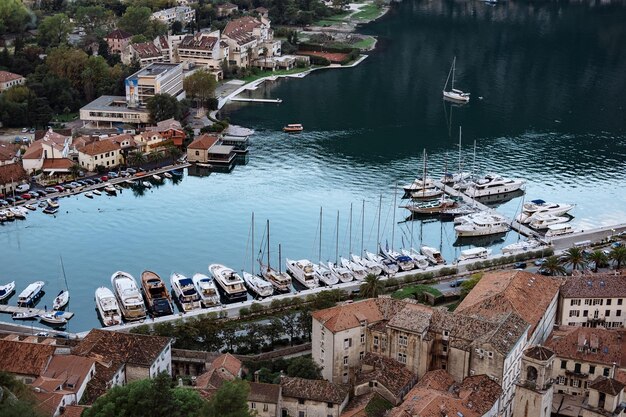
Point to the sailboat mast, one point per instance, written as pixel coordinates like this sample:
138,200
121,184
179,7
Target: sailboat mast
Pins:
424,176
252,246
268,244
393,225
362,226
63,269
380,203
350,239
453,70
337,242
320,247
460,128
279,260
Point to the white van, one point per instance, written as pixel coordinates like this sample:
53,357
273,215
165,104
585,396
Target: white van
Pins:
22,188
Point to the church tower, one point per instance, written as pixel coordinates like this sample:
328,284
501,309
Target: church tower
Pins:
533,394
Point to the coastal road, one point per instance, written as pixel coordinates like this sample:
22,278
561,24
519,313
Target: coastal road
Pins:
599,235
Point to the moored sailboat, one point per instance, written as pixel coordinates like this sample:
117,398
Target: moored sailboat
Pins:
454,95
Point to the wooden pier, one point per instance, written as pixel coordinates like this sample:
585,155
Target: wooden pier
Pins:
257,100
15,309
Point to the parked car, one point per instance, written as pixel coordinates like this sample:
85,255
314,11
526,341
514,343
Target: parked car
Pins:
10,200
89,182
74,184
24,130
32,130
544,271
131,171
97,180
22,188
104,178
112,174
458,282
18,198
51,190
59,188
4,203
616,244
26,196
34,194
67,187
519,265
42,193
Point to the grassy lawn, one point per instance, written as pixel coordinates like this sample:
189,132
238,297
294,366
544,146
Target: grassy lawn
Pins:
65,117
367,12
415,290
277,72
364,43
332,20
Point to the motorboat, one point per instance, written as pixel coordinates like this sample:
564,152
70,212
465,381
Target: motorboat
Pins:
456,178
42,204
293,128
6,290
25,315
207,290
542,221
146,184
55,318
155,293
110,189
559,230
325,275
419,260
89,194
343,274
61,300
404,262
185,292
426,194
539,207
96,192
30,294
419,184
228,280
372,267
523,246
167,175
19,212
388,266
474,253
433,255
30,207
358,271
431,207
483,225
492,184
302,271
52,203
128,296
469,218
7,215
157,178
257,285
107,307
50,210
455,95
118,187
177,172
280,280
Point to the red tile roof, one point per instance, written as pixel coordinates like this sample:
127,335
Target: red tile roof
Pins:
229,363
8,151
316,390
73,410
240,30
48,402
594,286
100,147
199,41
540,353
588,344
264,393
24,358
389,373
13,172
607,385
118,34
6,76
203,142
57,136
57,164
146,50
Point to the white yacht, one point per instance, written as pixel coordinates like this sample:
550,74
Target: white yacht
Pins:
344,274
358,271
61,300
426,194
325,275
484,225
110,189
207,290
280,280
389,267
404,262
433,255
229,281
538,207
419,184
372,267
474,253
522,246
492,184
7,290
185,292
542,221
107,307
559,230
302,271
456,178
419,260
257,285
128,296
30,294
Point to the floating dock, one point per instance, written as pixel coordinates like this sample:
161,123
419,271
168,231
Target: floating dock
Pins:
257,100
15,309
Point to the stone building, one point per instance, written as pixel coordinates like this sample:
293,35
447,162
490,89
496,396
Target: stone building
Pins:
533,396
312,398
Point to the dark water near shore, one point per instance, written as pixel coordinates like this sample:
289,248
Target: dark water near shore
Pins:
547,83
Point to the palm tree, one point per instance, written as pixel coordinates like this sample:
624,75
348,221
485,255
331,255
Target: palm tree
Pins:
372,286
136,158
598,258
173,152
552,266
155,156
75,170
618,254
575,257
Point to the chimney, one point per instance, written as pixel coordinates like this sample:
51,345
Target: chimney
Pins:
256,375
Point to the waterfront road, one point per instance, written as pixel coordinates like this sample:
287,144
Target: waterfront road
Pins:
595,236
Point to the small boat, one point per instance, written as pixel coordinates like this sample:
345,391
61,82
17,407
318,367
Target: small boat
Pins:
404,262
25,315
55,318
185,292
96,192
559,230
433,255
146,184
426,194
419,184
257,285
280,280
207,290
155,292
492,184
432,207
42,204
522,246
389,267
325,275
18,212
542,221
61,300
157,178
373,268
8,215
474,253
110,189
228,280
293,128
419,260
167,175
50,210
358,271
454,94
482,225
344,274
128,296
117,187
302,271
30,294
541,206
107,307
89,194
177,172
52,203
30,207
7,290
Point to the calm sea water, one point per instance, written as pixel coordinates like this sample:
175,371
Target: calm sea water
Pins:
547,84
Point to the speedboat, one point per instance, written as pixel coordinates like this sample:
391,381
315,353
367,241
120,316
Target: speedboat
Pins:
372,267
146,184
358,271
155,292
228,280
107,307
42,204
167,175
257,285
293,128
325,275
433,255
97,192
18,212
185,292
388,266
343,274
110,189
52,203
541,206
542,221
61,300
30,294
50,210
89,194
55,318
156,177
302,271
482,225
522,246
474,253
25,315
128,296
280,280
419,260
177,172
30,207
7,290
492,184
207,290
404,262
559,230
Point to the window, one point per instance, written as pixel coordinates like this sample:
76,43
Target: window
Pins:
300,401
446,333
445,348
362,338
490,354
618,313
361,354
375,340
347,343
585,313
561,380
575,383
597,302
574,302
619,301
587,302
322,334
607,313
403,340
577,367
402,357
329,405
574,313
563,364
197,153
321,353
345,360
301,414
608,302
253,406
592,369
606,372
265,407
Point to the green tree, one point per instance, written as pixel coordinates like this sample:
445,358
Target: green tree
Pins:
552,266
163,107
137,21
598,258
575,257
16,399
177,28
95,20
68,63
289,321
173,152
75,170
304,367
200,86
618,255
230,400
372,286
229,336
155,156
14,16
468,286
54,30
136,158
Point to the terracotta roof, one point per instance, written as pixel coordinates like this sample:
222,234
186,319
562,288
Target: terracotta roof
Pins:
48,402
7,151
70,370
594,286
438,379
57,136
73,410
199,41
511,290
122,138
540,353
229,363
146,50
100,147
316,390
264,393
413,317
203,142
212,379
348,316
163,42
101,382
588,344
608,386
169,124
23,357
57,164
118,34
240,30
6,76
389,373
13,172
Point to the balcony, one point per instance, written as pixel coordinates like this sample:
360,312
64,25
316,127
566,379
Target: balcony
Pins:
576,374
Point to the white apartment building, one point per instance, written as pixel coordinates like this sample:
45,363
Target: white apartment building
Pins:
183,14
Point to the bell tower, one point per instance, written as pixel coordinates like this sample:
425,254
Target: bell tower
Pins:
533,393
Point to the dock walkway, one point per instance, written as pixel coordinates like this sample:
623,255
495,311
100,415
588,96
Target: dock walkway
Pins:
15,309
257,100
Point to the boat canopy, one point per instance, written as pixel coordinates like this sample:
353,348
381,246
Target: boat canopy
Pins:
538,202
404,259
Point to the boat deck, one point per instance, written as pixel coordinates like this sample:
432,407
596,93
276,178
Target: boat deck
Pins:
15,309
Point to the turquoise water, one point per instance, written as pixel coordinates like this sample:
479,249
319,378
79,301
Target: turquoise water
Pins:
551,78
